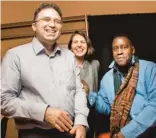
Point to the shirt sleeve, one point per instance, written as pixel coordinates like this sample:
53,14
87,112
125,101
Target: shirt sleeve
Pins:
11,105
81,109
147,117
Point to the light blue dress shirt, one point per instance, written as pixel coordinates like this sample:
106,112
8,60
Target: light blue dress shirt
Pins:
143,110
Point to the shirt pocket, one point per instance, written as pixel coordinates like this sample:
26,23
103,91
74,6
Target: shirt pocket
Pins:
67,79
138,105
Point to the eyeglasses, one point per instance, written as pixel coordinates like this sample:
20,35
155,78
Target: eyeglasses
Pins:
48,20
122,47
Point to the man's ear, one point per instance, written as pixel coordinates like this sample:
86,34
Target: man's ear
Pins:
34,27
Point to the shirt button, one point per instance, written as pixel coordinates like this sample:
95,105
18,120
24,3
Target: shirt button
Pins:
91,101
133,116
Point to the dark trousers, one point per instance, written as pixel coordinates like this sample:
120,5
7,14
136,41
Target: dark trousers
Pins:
91,122
4,122
41,133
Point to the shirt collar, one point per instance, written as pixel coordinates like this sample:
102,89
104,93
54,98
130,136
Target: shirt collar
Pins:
56,50
38,47
112,65
85,64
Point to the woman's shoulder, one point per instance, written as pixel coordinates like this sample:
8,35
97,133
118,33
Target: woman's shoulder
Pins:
95,63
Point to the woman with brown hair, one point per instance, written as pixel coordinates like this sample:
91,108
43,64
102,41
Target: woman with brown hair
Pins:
81,46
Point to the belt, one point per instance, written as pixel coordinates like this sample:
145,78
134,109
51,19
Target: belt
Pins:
44,132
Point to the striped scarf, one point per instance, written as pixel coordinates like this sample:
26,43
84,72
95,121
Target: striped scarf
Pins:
120,114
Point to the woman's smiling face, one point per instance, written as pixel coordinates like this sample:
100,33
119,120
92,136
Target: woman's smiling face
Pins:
79,46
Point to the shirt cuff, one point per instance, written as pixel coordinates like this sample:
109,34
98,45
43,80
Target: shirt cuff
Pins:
92,98
81,120
131,130
38,111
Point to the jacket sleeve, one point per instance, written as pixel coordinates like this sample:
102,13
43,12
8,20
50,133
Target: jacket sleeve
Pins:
147,117
100,100
11,105
102,104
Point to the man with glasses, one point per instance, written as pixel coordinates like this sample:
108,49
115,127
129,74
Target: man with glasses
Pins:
128,93
41,87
